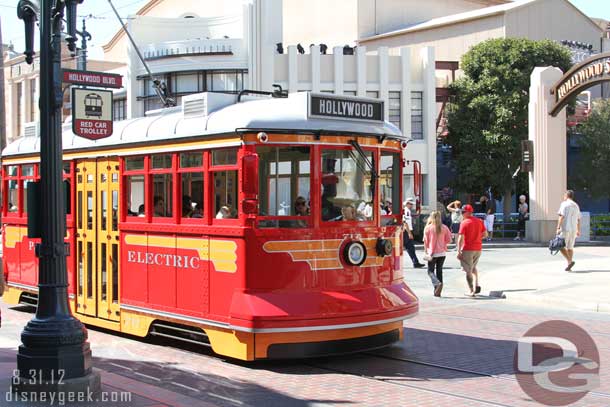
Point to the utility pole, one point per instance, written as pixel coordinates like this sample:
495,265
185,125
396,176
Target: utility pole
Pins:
54,343
81,63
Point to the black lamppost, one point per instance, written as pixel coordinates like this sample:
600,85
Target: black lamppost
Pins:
55,355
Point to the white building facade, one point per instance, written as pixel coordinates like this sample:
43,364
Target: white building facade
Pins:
197,46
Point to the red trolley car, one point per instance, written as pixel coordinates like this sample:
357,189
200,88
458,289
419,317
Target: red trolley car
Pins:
253,226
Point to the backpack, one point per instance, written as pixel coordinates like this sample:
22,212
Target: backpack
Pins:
556,243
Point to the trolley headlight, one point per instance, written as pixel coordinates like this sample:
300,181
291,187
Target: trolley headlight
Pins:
384,247
354,253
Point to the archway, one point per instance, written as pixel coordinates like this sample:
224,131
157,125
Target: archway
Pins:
550,92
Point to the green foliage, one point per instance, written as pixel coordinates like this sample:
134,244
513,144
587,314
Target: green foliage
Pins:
593,165
487,118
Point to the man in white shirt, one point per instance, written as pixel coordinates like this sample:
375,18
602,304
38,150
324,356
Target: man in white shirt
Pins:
568,226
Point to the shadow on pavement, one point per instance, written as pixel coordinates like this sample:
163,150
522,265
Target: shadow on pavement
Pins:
588,271
422,355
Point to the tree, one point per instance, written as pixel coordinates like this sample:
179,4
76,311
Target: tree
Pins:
594,152
487,119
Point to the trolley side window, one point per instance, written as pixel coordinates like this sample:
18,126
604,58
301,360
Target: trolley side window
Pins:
284,185
224,183
134,181
12,176
389,186
162,185
27,173
347,187
192,184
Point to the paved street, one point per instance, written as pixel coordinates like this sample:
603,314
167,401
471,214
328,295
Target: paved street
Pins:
457,352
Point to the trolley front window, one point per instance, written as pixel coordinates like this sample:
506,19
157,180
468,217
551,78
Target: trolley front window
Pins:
347,186
284,182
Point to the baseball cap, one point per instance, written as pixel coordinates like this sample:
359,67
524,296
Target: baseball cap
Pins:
410,201
467,208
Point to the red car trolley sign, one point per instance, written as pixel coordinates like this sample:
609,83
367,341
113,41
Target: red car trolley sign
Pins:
92,113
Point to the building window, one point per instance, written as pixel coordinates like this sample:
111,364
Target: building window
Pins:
417,116
33,100
372,94
394,108
185,83
120,109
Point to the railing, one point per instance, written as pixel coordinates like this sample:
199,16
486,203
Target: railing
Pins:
502,229
600,226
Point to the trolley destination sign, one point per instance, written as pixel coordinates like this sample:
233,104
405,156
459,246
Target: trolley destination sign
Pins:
92,113
90,78
321,106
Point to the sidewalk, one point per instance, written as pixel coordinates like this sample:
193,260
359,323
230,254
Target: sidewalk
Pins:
526,273
117,389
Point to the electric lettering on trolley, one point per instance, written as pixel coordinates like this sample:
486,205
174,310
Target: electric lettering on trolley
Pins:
160,259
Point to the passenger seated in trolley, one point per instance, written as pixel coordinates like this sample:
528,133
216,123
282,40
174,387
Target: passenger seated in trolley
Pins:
224,213
300,207
197,212
141,211
187,206
159,207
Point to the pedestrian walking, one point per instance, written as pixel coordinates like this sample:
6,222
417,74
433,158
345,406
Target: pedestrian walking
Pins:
455,208
407,224
436,238
469,245
490,214
522,217
568,226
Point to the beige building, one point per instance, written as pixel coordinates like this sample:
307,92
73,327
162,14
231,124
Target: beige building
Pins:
453,34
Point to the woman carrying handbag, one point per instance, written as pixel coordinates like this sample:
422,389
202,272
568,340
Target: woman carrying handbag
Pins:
436,238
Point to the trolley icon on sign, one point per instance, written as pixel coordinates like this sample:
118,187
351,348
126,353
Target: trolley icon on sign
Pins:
93,105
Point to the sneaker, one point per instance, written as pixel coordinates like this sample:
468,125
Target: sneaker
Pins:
569,268
418,266
517,238
438,289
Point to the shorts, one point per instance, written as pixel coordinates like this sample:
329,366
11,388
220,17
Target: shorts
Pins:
489,222
455,228
469,260
570,238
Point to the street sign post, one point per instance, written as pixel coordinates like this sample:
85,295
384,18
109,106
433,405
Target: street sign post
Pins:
92,113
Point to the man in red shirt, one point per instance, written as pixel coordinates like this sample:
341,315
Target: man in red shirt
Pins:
469,245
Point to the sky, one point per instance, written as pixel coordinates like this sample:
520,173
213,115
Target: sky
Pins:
103,24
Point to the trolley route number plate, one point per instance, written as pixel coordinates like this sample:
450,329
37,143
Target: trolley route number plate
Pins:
92,113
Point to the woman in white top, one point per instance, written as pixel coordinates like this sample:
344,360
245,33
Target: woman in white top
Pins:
455,208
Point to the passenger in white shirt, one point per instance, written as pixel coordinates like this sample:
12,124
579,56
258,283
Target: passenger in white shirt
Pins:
568,226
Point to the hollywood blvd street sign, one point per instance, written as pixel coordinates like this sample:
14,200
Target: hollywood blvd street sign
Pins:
92,113
90,78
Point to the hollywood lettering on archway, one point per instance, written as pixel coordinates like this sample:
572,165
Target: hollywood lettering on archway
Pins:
581,77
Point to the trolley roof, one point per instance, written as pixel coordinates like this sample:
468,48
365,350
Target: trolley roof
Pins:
271,114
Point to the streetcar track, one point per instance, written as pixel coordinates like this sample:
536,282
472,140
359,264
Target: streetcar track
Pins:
461,370
412,386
